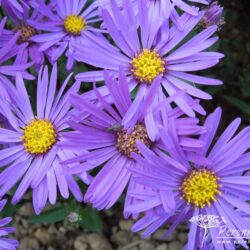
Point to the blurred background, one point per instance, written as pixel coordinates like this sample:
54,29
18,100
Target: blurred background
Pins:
72,226
234,70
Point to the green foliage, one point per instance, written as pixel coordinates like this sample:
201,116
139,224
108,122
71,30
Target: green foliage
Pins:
244,81
10,210
90,220
50,216
238,103
85,217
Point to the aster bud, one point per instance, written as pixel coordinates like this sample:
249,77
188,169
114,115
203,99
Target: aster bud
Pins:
213,15
73,217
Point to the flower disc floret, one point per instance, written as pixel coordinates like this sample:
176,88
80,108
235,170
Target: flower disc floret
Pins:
147,65
126,142
200,188
26,33
74,24
39,136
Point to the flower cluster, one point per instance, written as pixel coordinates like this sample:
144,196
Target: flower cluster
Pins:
137,131
5,243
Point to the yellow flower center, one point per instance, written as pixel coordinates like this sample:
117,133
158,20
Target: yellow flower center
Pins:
126,142
200,188
39,136
147,65
74,24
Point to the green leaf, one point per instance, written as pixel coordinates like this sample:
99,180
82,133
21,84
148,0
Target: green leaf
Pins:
51,216
90,220
244,80
133,93
10,210
238,103
214,90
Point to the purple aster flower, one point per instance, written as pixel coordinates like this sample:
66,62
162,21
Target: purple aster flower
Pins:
162,8
26,32
146,48
66,24
109,133
213,15
33,153
167,7
180,190
5,243
8,50
12,6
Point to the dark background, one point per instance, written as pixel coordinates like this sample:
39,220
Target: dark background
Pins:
234,70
